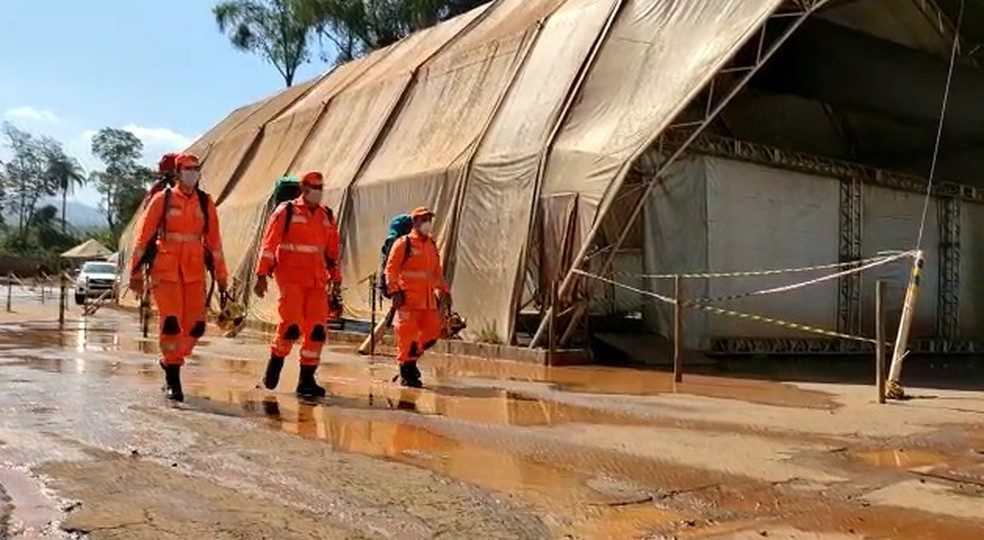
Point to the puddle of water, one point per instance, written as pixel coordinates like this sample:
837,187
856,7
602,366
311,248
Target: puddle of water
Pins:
117,332
901,458
33,514
548,485
630,381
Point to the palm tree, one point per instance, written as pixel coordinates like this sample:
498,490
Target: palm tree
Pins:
67,174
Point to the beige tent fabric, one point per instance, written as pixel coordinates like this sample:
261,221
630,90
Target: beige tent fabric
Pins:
355,103
902,22
278,145
203,145
424,156
356,117
90,249
469,117
224,159
496,210
656,58
244,212
242,208
220,168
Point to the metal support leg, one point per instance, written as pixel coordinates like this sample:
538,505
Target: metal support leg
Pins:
849,287
880,339
948,312
732,79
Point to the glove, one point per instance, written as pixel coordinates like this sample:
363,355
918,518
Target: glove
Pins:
335,301
260,288
137,283
399,299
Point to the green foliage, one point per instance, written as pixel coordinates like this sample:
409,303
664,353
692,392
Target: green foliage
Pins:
356,27
43,237
62,171
487,333
109,237
270,28
25,181
124,179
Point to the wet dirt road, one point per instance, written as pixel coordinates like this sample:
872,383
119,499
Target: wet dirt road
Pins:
89,447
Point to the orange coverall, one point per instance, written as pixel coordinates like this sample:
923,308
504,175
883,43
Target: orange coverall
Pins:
417,323
303,261
178,270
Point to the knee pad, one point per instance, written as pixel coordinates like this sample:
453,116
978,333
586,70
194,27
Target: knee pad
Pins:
318,333
292,333
430,344
171,326
198,330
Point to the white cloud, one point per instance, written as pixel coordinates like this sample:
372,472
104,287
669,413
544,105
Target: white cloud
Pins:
159,138
30,114
157,142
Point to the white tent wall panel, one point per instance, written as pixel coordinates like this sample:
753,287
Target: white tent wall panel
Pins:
609,299
971,291
760,218
657,56
496,210
675,240
424,156
891,223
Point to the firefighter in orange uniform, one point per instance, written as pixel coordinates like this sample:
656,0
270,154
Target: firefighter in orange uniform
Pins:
179,239
416,283
301,249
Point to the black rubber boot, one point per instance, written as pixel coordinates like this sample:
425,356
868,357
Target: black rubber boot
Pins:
272,377
410,375
172,382
307,386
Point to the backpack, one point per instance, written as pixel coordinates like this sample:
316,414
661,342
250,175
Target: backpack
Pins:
289,188
151,251
399,226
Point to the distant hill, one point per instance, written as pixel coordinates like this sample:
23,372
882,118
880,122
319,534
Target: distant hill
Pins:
80,216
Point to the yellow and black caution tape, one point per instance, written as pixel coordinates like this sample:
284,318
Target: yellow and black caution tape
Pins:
772,272
730,312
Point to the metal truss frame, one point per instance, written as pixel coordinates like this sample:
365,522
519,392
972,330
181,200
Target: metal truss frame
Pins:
948,308
849,239
761,154
716,95
948,29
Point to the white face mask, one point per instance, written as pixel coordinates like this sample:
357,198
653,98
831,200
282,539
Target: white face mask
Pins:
313,197
426,228
189,178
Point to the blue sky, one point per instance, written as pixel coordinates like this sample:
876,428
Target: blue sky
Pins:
160,69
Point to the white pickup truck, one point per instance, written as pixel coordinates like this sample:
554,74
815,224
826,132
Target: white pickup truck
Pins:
94,279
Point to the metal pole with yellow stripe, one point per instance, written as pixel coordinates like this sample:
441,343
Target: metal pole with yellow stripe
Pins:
895,390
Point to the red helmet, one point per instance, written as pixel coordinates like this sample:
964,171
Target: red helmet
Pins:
186,161
167,164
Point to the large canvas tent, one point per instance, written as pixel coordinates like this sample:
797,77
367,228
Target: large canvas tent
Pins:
636,136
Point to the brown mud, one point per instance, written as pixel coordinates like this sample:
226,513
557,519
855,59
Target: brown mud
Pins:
488,449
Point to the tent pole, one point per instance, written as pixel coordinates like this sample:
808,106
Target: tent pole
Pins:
572,93
711,112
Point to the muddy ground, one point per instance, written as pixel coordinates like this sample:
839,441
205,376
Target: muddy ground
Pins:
89,447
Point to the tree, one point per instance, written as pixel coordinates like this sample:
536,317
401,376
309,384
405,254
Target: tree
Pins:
119,150
49,236
270,28
3,193
26,182
63,171
356,27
